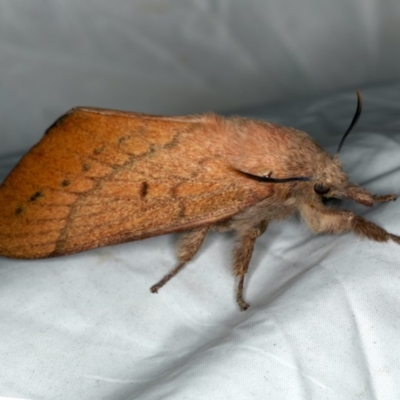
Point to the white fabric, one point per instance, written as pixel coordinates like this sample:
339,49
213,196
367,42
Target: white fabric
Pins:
324,318
184,56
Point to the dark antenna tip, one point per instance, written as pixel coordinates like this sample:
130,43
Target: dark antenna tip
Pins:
353,122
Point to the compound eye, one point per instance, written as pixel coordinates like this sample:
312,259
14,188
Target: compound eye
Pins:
321,189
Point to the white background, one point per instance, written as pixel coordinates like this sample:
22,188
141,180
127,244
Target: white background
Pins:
324,321
184,56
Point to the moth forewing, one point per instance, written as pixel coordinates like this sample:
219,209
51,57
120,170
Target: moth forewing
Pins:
102,177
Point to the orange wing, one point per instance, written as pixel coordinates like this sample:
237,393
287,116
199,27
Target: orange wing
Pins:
101,177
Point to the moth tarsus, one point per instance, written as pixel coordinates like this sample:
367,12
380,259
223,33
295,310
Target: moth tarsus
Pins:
239,295
101,177
155,288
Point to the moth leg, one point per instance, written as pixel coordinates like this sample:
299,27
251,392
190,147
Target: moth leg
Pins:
321,219
188,245
385,198
242,255
362,196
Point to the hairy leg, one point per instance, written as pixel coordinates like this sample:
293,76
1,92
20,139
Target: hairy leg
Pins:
321,219
188,245
362,196
242,255
384,198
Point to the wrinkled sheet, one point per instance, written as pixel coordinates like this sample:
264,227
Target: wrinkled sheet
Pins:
324,321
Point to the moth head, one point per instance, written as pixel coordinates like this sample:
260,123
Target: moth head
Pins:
330,180
339,189
344,190
333,182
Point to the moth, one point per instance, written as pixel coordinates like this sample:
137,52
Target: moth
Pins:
100,177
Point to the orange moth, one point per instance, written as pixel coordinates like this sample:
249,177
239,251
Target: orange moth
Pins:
100,177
